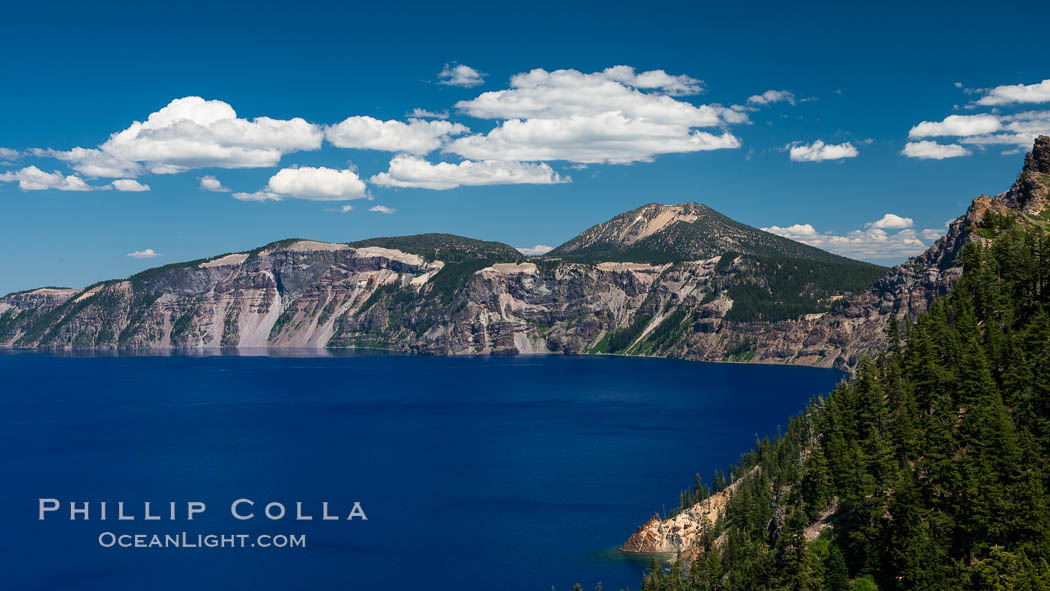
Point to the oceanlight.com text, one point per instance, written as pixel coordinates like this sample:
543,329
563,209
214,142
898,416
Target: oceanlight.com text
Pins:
184,540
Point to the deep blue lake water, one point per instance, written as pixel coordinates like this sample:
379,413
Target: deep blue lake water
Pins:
513,473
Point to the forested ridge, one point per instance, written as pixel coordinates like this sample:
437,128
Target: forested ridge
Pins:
930,470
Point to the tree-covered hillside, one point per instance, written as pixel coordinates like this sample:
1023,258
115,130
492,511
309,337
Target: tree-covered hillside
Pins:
773,288
931,470
445,247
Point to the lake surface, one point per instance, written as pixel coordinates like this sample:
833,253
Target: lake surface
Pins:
513,473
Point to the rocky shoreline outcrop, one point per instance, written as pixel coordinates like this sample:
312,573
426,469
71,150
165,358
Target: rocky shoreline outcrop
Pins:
681,532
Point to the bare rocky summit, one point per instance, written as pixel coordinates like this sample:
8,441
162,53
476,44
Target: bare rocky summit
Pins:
656,233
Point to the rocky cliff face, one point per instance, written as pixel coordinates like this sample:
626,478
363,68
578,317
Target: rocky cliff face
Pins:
284,295
316,295
309,294
438,294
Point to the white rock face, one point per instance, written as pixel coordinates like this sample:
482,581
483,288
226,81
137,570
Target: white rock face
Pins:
228,260
620,267
511,268
389,253
313,245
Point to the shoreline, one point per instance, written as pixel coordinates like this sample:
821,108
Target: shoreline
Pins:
322,352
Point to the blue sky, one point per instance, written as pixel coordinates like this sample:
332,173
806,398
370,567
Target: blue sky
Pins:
564,116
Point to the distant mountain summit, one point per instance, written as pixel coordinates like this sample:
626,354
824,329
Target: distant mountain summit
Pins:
656,233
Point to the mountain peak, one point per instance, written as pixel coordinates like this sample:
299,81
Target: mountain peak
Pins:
658,233
1030,193
1038,160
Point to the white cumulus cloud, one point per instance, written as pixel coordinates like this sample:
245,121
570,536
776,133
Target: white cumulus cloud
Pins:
412,172
8,154
1017,129
563,93
144,254
192,132
318,184
32,178
310,183
415,137
929,150
819,151
604,138
957,125
130,185
531,251
886,238
454,74
210,183
613,116
794,232
382,209
1017,93
891,221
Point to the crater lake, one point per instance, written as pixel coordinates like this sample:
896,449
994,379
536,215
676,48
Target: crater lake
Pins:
516,473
